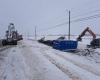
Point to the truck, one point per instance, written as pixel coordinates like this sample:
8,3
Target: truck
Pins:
10,36
19,37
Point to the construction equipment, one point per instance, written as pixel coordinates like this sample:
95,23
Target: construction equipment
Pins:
83,33
19,37
11,36
95,43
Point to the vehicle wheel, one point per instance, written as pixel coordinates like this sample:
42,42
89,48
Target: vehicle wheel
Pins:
14,42
4,42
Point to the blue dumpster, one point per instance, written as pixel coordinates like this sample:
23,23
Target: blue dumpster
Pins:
65,45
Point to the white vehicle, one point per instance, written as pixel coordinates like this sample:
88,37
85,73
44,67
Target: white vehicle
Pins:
11,36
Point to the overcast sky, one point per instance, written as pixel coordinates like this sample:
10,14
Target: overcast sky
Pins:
26,14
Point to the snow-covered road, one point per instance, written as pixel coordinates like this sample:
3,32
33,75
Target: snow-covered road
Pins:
30,60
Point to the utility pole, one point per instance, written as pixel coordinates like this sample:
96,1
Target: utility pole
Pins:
69,27
35,33
28,35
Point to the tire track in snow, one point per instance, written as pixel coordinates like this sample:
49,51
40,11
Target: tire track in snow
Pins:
73,76
63,69
81,73
15,67
5,48
40,66
83,66
77,71
86,67
4,52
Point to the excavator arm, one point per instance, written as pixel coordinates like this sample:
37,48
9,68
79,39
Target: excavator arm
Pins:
83,33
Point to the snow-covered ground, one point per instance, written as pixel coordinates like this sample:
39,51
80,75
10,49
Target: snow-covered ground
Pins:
30,60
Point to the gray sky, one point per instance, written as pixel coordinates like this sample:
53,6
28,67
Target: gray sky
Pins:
47,13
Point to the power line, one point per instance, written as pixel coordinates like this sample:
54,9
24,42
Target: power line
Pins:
86,18
56,26
97,10
76,20
84,14
87,13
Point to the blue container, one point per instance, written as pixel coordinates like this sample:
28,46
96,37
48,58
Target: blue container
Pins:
65,45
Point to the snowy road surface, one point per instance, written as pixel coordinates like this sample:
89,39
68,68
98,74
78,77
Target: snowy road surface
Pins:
30,60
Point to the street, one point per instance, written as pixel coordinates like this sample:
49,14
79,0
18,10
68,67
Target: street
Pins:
30,60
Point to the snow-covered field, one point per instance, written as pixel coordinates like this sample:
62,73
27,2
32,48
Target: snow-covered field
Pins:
30,60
